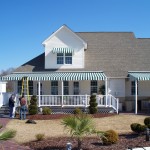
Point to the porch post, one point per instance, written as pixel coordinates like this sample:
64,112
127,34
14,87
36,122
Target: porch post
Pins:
106,90
62,92
135,96
39,93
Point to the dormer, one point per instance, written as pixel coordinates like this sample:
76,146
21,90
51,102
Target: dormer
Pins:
64,49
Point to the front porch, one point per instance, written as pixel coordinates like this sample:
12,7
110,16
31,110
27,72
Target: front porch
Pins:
63,90
67,103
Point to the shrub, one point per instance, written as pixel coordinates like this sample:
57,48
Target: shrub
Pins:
33,108
40,136
77,111
138,128
110,137
102,89
46,111
134,126
93,105
147,121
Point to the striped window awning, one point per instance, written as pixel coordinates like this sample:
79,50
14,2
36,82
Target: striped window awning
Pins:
59,76
141,76
63,50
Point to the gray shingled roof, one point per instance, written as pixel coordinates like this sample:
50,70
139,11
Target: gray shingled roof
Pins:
115,53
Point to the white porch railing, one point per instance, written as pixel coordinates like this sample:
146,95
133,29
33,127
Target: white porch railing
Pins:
78,101
69,100
108,101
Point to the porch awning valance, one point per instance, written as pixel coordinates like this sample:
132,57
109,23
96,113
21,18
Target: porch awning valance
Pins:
139,75
64,76
63,50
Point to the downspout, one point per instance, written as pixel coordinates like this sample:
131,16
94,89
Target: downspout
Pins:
62,93
106,89
39,93
136,96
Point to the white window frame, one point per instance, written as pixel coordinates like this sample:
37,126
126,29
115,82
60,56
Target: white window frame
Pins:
64,56
94,86
54,87
66,87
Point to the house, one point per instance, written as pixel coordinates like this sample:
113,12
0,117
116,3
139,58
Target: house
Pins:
75,65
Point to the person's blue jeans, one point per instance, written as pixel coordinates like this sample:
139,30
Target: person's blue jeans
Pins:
11,112
23,112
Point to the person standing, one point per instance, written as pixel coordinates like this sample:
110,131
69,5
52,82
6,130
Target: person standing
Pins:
23,108
11,105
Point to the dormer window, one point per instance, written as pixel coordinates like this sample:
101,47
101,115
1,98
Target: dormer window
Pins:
64,58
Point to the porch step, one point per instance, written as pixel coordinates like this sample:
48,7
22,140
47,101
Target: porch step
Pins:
4,111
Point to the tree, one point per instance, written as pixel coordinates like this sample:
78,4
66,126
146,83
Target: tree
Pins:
79,126
93,105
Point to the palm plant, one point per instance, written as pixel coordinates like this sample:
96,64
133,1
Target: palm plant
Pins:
79,126
6,135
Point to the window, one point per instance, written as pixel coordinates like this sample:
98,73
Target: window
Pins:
64,58
76,88
66,88
68,58
93,87
30,83
60,58
54,87
133,87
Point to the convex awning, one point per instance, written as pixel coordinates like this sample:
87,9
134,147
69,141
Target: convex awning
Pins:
64,76
139,75
63,50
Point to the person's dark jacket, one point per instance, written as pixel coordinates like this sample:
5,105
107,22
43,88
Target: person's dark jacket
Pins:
11,102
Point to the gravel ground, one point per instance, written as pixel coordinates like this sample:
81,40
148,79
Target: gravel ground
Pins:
56,137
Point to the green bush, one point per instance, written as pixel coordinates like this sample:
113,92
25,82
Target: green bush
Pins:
147,121
46,111
77,111
33,108
110,137
134,126
138,128
40,136
93,105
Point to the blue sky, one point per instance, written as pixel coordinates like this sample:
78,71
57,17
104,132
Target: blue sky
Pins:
25,24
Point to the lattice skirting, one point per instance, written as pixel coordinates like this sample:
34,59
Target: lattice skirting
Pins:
70,110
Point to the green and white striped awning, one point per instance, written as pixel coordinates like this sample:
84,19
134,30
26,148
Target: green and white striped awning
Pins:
141,76
62,50
60,76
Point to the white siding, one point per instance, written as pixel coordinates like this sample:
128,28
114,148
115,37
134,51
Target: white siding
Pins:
2,87
84,87
117,87
64,38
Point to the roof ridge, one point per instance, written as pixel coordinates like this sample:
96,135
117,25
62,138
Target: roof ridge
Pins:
106,32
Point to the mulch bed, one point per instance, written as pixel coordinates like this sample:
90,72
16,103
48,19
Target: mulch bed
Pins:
125,141
90,143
